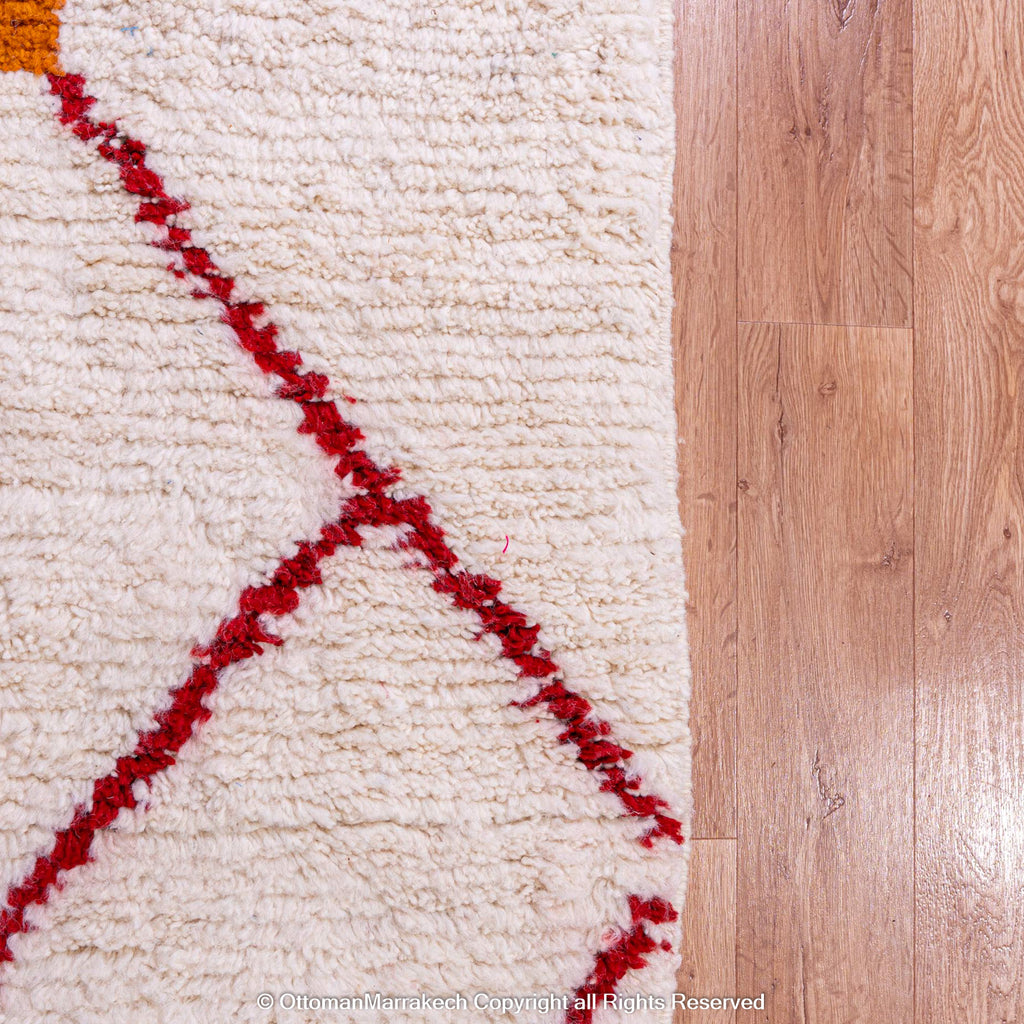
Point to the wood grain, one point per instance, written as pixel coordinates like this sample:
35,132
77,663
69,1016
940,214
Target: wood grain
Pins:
704,331
709,965
969,383
825,221
825,675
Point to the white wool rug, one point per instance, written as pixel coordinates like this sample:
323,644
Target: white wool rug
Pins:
343,667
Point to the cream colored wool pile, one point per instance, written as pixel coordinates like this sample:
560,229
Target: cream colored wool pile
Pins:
460,213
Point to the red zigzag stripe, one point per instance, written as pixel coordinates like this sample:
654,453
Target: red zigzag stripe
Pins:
628,952
243,635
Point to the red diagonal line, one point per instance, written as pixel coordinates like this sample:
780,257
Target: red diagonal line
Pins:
243,635
628,952
373,507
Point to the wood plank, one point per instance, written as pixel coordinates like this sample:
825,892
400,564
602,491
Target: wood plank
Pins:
825,675
704,329
969,383
709,930
825,143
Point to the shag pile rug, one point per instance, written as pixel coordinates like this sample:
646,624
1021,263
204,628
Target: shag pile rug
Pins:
341,605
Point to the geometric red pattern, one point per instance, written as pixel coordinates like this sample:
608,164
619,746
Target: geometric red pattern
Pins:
245,633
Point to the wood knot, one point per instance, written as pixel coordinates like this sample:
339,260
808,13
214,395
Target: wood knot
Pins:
843,11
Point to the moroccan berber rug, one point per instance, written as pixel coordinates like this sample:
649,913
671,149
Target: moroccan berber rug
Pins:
343,669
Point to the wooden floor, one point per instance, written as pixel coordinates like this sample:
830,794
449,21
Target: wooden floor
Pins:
849,275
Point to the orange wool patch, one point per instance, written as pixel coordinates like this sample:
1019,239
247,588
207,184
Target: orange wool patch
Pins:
28,35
